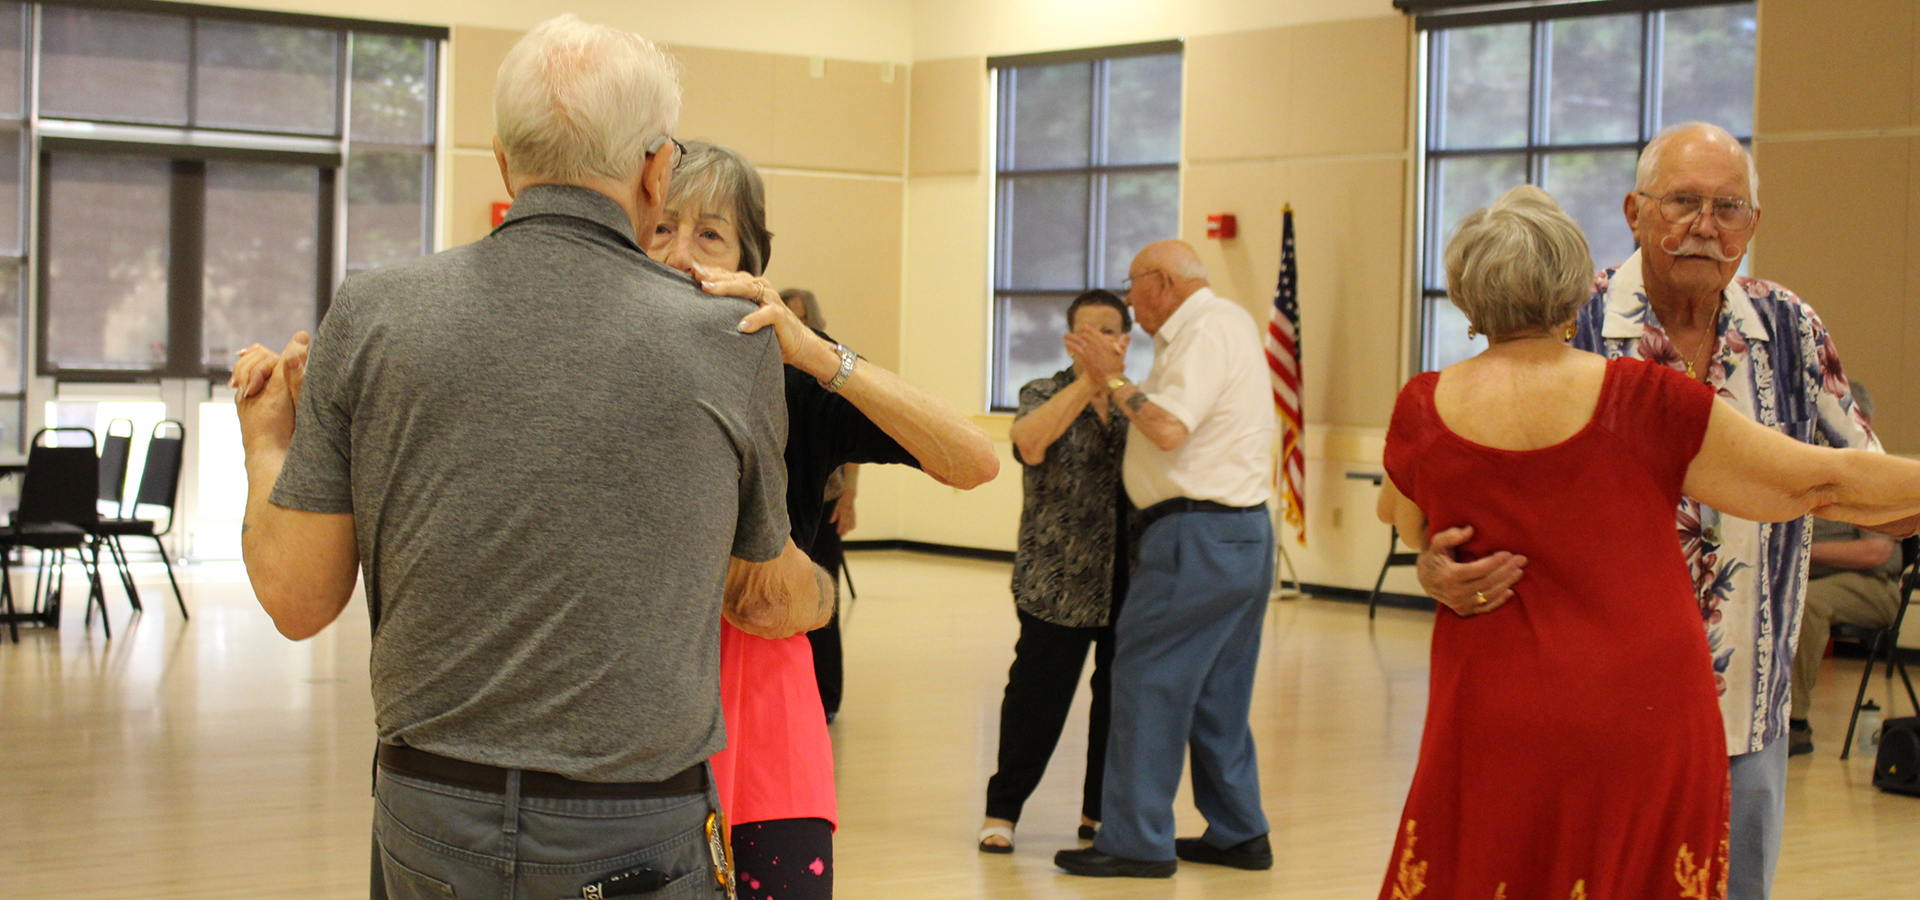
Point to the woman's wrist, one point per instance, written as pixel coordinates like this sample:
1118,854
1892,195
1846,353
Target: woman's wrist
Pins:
822,359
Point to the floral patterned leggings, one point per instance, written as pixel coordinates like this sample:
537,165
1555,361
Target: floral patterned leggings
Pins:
784,859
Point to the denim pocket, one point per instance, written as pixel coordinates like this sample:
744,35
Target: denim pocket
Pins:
403,883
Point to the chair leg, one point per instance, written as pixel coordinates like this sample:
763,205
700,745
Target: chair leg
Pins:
1873,657
96,589
1373,599
6,595
1902,666
168,562
119,556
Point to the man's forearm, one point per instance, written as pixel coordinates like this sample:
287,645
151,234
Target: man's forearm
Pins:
1163,428
779,598
302,565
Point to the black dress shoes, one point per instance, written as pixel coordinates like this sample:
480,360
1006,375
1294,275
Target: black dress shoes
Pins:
1255,854
1091,862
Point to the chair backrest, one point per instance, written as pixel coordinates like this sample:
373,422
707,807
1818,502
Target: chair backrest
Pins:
62,484
1909,581
160,477
114,452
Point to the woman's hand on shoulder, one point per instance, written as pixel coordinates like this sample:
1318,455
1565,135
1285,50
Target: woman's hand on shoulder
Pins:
800,347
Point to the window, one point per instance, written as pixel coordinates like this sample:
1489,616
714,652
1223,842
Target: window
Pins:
1087,172
13,213
1567,104
191,169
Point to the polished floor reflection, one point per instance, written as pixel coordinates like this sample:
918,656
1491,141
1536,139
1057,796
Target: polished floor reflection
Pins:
216,759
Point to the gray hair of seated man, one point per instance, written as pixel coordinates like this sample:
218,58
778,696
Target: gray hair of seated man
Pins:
575,101
815,318
1519,266
718,179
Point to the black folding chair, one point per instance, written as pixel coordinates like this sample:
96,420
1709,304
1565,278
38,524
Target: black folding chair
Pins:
1395,557
58,498
1888,638
115,450
159,486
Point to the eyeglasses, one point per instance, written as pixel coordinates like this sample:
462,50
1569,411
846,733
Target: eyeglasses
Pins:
1681,207
1133,279
679,149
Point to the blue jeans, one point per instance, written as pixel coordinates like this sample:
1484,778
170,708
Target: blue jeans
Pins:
433,840
1183,668
1758,815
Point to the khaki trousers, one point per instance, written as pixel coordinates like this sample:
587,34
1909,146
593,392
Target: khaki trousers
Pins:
1853,598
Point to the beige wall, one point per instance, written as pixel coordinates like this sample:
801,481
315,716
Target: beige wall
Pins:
829,136
1313,114
1839,152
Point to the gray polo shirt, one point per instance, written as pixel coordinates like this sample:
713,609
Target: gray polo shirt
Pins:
550,444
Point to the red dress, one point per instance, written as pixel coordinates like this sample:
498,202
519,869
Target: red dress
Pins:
1573,745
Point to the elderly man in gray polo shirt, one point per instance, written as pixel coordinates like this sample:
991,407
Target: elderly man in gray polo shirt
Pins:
1199,464
543,448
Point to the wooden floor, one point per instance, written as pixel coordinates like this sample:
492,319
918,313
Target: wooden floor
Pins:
216,759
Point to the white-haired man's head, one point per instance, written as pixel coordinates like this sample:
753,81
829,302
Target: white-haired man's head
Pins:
1694,209
576,102
1657,156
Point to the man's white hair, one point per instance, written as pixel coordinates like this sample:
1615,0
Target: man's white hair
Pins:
1655,156
575,101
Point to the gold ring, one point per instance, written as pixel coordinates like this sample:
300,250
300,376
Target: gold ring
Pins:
1480,598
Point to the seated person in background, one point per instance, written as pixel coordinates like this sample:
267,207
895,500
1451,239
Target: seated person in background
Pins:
1854,579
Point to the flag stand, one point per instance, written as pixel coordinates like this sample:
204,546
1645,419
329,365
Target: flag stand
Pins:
1282,565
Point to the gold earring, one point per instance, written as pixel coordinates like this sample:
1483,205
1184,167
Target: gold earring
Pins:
1569,331
1472,332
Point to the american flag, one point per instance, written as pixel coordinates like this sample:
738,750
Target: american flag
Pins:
1283,358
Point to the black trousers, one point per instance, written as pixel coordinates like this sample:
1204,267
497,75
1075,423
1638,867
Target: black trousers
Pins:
1047,662
827,554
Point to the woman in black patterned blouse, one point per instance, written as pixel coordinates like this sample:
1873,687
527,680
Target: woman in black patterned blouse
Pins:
1069,574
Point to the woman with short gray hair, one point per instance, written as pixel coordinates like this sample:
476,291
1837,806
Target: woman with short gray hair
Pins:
1573,744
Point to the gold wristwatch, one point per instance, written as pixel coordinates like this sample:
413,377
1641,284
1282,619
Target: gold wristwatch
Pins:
1116,383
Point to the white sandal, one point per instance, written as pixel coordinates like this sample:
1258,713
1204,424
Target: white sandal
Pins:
1000,831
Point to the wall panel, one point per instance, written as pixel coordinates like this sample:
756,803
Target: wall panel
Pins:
841,238
1846,257
948,117
1348,92
1237,89
726,96
475,59
846,119
1827,65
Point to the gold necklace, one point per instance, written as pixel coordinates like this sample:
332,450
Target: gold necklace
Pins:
1713,340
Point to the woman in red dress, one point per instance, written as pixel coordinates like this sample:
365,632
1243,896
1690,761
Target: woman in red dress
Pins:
1573,744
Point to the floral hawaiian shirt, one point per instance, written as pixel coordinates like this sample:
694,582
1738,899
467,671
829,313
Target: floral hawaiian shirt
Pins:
1776,364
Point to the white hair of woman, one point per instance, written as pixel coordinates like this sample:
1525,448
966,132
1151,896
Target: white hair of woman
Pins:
1519,266
575,101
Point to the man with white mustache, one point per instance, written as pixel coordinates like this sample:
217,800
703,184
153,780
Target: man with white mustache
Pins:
1678,301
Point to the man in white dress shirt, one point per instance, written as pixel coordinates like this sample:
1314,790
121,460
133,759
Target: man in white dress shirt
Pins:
1199,465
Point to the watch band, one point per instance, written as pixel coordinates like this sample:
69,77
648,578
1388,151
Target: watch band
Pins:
847,358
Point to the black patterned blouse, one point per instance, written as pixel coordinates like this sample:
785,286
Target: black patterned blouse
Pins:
1073,523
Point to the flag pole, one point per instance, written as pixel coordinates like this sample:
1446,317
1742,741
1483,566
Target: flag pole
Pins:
1283,356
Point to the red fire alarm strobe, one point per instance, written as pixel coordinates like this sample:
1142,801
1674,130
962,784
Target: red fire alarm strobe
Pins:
500,208
1222,226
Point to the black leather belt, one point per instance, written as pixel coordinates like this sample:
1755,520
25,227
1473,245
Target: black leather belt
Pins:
416,763
1182,504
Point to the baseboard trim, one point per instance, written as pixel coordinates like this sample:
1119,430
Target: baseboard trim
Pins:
935,549
1356,595
1321,591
